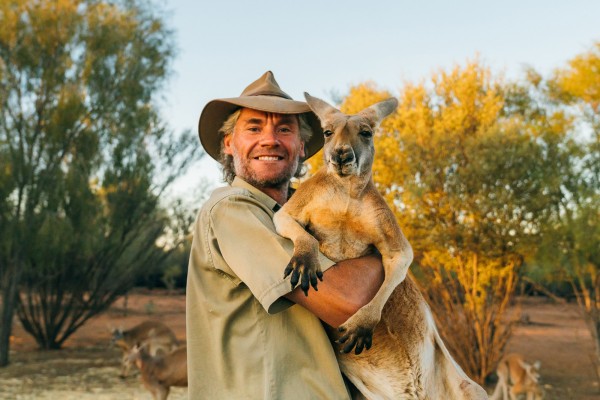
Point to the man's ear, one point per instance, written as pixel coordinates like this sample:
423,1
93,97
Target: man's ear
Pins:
302,152
227,144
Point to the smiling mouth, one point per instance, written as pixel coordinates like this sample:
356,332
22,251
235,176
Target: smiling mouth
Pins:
268,158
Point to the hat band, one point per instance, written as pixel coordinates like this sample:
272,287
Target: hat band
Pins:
269,93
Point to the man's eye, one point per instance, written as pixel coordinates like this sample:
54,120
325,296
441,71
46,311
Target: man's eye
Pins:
327,133
285,129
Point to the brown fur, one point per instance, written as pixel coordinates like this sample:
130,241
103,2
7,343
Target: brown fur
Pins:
515,377
154,335
348,218
161,372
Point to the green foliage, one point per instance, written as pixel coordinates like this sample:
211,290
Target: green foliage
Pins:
174,272
571,247
84,156
170,275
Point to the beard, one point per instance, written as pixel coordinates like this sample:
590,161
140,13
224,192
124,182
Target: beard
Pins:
273,180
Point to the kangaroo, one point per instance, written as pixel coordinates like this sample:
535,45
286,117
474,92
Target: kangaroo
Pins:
348,218
161,372
157,337
516,376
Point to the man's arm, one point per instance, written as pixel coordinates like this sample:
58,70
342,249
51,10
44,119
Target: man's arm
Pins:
346,287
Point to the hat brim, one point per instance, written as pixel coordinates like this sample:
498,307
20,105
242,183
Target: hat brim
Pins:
217,111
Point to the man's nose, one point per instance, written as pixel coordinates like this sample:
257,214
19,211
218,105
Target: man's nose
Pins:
269,136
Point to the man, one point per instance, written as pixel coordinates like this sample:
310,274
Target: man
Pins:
248,335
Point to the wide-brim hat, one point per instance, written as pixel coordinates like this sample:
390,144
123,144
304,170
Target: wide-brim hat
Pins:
264,94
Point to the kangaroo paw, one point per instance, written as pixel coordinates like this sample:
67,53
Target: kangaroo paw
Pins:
357,339
304,269
358,331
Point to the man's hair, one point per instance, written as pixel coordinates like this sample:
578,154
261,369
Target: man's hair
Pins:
227,129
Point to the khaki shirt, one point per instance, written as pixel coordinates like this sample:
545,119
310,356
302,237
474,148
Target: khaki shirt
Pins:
246,341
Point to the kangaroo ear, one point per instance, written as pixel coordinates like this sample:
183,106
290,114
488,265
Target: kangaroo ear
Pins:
378,111
322,109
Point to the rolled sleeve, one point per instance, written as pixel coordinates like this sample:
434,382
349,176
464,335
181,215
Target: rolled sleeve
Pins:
251,247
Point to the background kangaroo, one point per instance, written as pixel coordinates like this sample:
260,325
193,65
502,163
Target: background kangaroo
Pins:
160,372
154,335
515,377
347,218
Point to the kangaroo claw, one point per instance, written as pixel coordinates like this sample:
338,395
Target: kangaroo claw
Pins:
357,339
304,271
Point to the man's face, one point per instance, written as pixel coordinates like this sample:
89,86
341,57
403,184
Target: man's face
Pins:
265,147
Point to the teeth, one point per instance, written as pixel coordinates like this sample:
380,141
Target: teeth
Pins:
268,158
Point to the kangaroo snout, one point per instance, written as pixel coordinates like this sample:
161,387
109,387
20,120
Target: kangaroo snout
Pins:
342,160
343,155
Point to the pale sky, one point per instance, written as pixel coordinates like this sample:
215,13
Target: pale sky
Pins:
325,47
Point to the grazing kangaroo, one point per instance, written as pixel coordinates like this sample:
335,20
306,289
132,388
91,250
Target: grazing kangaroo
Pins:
161,372
516,376
348,218
156,336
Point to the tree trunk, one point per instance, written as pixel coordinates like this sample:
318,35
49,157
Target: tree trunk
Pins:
596,335
9,299
125,301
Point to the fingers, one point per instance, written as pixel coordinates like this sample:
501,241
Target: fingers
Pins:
362,339
315,276
304,274
360,345
304,284
295,277
288,270
308,279
363,342
368,341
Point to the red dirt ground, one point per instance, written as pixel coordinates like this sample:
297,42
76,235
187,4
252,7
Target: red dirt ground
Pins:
87,368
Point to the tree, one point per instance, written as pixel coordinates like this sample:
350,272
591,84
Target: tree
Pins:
468,178
84,158
572,245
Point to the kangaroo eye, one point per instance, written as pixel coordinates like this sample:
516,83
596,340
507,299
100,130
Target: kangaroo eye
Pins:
327,133
366,134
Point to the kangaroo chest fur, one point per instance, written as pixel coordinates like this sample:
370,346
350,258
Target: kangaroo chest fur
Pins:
339,222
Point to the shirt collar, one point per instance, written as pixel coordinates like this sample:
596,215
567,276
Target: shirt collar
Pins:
260,196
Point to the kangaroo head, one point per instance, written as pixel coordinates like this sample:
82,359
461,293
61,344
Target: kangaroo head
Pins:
349,148
137,354
533,371
117,335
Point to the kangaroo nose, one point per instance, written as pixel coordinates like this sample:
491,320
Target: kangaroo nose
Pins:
344,155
